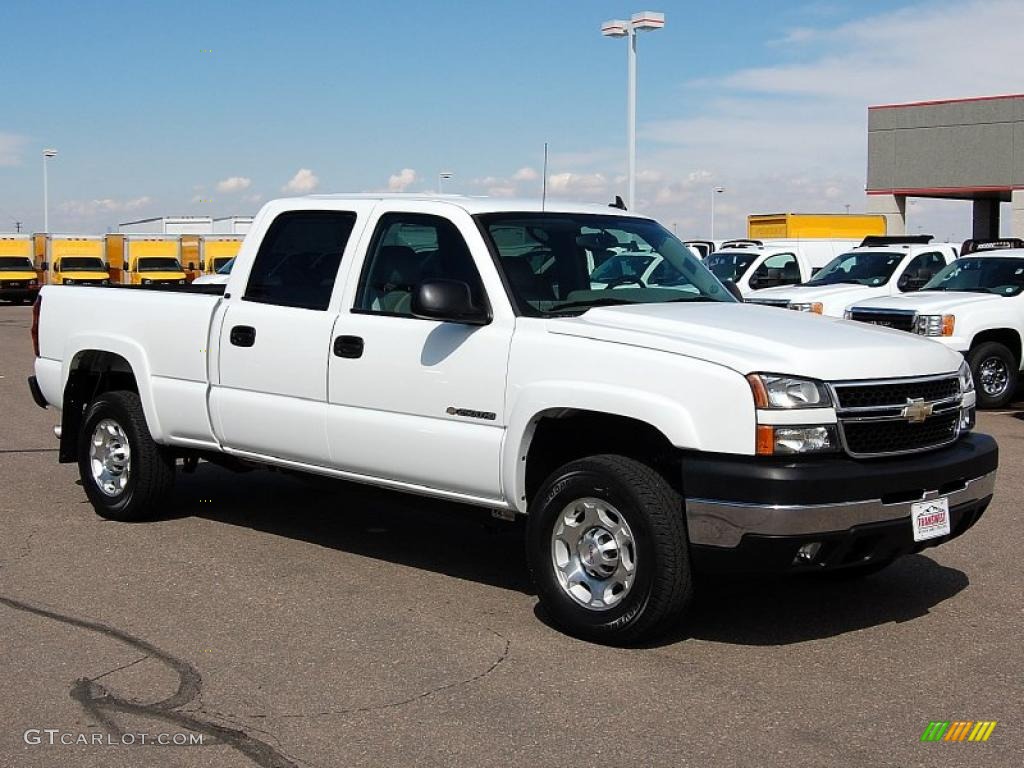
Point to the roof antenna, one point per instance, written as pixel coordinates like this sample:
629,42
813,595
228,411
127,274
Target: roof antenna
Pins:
618,203
544,183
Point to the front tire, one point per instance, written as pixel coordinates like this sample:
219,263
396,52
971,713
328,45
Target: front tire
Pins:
995,370
126,475
608,551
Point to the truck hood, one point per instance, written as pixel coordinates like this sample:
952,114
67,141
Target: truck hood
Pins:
161,276
836,298
748,338
71,274
931,302
17,274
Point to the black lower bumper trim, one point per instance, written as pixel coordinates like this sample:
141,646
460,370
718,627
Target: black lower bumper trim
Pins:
788,482
860,545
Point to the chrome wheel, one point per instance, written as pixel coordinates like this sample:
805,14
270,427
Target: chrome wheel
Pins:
594,553
110,457
993,376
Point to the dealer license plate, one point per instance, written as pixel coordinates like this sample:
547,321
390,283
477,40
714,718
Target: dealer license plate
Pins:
930,518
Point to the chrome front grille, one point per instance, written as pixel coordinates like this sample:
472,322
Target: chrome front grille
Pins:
887,417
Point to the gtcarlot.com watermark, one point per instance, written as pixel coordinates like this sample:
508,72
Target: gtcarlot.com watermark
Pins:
52,737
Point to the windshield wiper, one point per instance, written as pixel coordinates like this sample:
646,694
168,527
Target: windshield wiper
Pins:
692,298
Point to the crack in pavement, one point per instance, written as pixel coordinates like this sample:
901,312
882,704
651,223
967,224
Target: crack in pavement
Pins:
29,450
507,644
102,704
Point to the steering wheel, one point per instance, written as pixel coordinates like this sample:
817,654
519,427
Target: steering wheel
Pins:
623,280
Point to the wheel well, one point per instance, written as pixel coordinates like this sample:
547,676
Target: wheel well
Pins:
92,373
1006,336
566,435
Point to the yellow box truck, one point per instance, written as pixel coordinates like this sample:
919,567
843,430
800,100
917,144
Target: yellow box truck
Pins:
828,226
19,281
218,250
76,260
148,259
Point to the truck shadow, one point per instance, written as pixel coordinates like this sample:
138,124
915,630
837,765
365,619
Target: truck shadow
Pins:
465,543
453,539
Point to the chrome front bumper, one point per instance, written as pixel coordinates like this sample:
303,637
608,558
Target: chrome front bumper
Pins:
725,523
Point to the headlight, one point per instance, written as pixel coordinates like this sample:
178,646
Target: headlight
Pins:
33,283
966,380
780,440
68,281
814,307
934,325
147,281
105,282
181,282
787,392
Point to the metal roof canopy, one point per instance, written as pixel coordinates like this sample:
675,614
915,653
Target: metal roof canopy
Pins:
965,149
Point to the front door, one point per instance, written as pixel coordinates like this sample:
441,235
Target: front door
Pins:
418,401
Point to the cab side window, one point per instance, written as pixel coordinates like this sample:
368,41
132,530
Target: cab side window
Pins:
408,249
298,259
920,270
779,269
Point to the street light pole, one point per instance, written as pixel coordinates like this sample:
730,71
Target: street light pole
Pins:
639,22
714,191
47,154
441,177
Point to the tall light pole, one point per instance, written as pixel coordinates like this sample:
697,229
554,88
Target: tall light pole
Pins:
47,154
714,191
639,22
441,177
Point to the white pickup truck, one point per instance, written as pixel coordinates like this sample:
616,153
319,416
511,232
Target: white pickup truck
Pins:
974,306
645,432
882,266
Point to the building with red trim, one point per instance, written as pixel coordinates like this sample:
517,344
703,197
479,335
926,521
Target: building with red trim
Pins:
965,149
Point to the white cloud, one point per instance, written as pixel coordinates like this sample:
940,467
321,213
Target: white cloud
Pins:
86,208
253,198
234,184
502,191
585,185
401,181
11,148
303,182
525,174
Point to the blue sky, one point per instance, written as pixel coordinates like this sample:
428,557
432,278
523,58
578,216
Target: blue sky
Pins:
750,95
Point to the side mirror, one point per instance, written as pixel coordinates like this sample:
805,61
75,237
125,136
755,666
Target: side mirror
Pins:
44,266
191,266
450,301
734,289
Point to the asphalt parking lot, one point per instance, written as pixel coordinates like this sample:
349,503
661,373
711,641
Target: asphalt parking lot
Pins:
299,624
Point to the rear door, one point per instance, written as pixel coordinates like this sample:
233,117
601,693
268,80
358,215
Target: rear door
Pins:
416,401
270,390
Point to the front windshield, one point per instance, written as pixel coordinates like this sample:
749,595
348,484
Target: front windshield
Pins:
866,268
159,264
1004,277
729,265
225,268
566,263
82,264
19,263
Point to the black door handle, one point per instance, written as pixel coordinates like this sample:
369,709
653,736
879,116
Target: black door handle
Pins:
348,346
243,336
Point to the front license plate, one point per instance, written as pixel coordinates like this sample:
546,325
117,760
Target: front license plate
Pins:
930,518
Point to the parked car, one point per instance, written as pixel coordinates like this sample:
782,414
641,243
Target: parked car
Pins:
220,277
887,266
754,265
646,433
973,306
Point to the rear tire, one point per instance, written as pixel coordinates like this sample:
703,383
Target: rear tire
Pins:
608,551
125,474
995,372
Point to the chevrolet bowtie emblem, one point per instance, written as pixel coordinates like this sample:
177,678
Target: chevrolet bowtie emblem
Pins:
917,410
